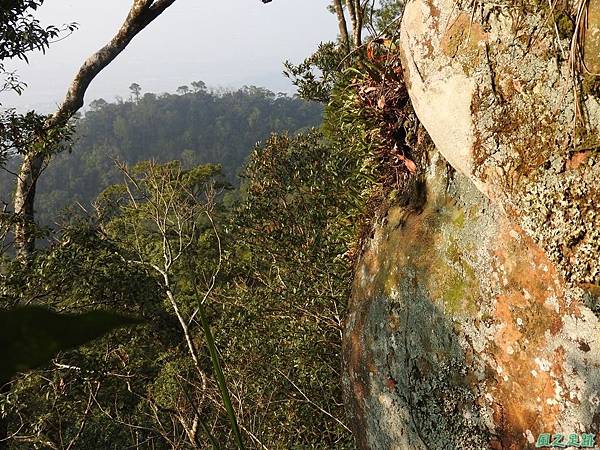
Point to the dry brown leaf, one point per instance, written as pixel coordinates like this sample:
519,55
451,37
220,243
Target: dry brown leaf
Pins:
410,165
577,160
370,51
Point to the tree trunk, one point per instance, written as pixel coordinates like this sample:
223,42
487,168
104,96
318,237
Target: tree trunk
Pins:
342,25
141,14
24,203
352,12
358,24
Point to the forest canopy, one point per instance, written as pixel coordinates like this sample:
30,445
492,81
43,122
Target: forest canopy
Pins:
194,126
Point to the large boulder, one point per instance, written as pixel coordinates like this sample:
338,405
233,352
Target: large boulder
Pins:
494,87
473,319
463,334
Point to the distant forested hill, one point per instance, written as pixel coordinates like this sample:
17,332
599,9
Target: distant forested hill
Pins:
191,126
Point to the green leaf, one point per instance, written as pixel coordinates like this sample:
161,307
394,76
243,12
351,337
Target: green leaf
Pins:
31,336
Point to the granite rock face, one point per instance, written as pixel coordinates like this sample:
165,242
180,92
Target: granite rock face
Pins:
474,316
462,332
492,87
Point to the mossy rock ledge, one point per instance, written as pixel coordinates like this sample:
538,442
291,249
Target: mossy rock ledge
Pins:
473,321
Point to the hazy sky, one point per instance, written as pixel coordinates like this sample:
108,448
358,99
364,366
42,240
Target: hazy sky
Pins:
225,43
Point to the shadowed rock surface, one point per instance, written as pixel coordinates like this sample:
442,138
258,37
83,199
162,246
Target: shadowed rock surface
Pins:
462,333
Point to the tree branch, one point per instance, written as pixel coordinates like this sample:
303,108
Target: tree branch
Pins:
141,14
342,25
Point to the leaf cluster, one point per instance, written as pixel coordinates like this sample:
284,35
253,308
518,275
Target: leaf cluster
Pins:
371,113
316,76
21,32
29,132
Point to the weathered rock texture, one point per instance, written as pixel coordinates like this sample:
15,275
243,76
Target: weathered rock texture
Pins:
473,322
462,333
493,90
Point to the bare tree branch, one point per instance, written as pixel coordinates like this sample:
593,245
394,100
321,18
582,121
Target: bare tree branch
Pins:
84,419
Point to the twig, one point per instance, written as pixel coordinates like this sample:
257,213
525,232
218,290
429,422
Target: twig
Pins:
313,403
85,417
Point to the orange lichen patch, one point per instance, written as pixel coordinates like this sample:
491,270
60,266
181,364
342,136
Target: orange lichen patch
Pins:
434,13
354,345
578,159
356,357
509,334
356,351
529,269
520,379
427,43
359,390
558,360
463,36
359,362
391,384
528,373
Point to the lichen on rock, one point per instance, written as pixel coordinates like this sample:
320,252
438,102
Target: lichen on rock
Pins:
510,353
474,318
494,87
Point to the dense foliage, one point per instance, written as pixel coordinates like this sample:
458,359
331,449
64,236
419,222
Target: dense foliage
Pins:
262,272
287,289
21,32
280,264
